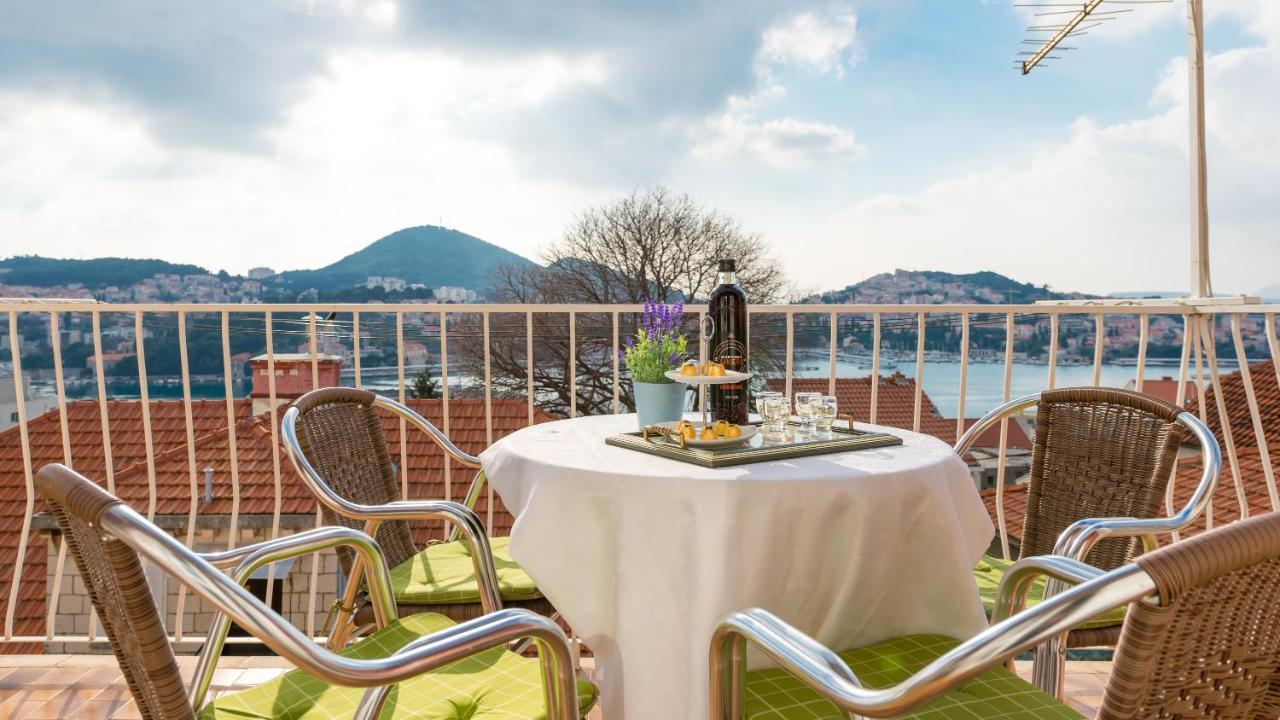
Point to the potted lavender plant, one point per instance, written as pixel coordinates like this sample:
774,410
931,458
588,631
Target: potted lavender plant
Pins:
656,348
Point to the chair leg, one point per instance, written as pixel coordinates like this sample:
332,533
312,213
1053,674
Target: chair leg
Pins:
1048,671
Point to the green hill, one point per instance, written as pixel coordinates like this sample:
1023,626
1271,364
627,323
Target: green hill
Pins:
909,285
430,255
93,274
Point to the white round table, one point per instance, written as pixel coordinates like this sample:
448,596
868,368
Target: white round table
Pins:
643,555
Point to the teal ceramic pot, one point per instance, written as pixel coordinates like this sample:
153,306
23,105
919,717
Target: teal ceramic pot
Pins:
659,402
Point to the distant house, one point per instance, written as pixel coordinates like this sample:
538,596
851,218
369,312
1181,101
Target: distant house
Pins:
415,353
108,359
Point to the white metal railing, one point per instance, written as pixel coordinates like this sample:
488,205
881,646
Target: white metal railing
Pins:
364,324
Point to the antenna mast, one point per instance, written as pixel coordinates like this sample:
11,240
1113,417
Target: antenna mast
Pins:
1085,16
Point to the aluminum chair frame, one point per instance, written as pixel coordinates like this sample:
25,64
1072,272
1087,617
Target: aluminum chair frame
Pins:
1013,631
1078,539
462,516
200,573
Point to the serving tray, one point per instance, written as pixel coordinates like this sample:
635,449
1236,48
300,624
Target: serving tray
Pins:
840,439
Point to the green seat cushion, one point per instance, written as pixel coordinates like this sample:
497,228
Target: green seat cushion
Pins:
443,574
990,570
486,686
777,695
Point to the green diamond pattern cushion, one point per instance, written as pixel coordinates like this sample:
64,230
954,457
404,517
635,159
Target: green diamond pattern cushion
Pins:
443,574
988,573
492,685
777,695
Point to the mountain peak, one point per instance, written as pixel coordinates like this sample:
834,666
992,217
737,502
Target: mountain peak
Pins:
426,254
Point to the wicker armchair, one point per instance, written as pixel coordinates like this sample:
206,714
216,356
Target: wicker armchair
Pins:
1101,464
435,666
334,438
1201,639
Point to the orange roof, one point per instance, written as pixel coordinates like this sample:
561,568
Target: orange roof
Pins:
1166,388
254,461
1263,376
895,399
945,430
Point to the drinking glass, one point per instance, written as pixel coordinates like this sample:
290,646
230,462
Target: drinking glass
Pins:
761,397
775,411
805,402
824,413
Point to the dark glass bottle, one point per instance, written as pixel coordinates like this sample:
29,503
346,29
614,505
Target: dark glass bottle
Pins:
728,307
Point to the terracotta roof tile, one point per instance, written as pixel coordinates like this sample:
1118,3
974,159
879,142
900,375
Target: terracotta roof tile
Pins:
173,479
1166,388
895,399
1263,377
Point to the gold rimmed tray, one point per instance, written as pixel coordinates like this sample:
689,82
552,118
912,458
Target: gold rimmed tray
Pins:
758,448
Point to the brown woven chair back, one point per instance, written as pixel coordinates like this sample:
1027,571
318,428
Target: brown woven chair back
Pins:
1209,645
341,436
1099,452
118,588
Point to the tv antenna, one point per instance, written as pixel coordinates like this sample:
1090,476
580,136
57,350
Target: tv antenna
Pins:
1087,15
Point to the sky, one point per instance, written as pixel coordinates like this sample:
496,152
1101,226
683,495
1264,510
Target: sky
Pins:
855,137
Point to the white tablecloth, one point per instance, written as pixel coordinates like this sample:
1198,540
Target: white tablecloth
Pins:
643,555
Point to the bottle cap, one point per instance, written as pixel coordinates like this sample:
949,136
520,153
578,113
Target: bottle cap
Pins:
728,265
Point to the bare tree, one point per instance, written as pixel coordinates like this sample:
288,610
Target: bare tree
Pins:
649,245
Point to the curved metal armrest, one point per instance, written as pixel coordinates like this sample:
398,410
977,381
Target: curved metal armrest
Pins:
1011,595
465,522
425,425
252,557
440,649
1001,413
811,663
499,629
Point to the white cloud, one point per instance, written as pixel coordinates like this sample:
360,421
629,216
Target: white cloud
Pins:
382,142
824,41
786,144
1105,209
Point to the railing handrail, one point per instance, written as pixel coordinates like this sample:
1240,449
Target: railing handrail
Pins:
1058,307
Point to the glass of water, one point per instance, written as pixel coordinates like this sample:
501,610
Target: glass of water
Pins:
761,399
775,411
824,413
805,402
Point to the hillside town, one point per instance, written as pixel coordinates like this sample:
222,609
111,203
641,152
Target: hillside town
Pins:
259,285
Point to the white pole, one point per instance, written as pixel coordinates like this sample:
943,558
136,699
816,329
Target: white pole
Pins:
1201,286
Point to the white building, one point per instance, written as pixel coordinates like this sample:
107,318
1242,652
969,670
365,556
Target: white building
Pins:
388,283
448,293
35,406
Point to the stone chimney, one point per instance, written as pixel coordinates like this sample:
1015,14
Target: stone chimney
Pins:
293,378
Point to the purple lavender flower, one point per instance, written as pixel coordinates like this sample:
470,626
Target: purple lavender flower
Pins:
673,360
